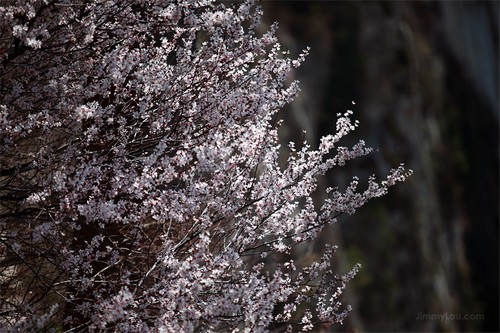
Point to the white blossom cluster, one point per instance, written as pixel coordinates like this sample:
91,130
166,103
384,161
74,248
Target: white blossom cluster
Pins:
139,175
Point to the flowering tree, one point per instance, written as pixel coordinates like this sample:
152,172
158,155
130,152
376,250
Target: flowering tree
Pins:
140,183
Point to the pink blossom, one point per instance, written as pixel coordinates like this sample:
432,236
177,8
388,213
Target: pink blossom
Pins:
142,154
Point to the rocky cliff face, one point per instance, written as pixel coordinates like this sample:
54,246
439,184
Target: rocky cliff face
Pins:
425,79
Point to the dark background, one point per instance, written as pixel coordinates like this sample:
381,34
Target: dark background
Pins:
424,76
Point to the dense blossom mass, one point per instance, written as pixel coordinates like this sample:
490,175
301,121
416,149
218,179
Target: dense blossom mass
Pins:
139,175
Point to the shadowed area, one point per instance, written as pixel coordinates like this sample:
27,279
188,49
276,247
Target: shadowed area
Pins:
424,76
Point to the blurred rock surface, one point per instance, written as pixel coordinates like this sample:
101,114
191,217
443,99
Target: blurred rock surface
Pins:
425,78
